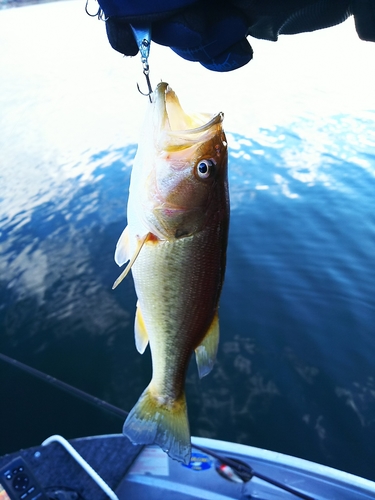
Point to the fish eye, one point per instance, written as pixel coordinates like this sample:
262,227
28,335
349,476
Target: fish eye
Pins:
205,168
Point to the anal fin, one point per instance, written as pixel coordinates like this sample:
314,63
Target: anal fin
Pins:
205,353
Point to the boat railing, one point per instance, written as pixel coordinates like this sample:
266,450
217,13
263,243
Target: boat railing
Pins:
82,462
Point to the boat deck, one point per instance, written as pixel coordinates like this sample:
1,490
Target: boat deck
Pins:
136,472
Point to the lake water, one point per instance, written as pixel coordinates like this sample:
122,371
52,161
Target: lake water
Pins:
295,368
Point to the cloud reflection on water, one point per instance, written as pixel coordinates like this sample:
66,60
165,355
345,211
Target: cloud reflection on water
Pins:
309,153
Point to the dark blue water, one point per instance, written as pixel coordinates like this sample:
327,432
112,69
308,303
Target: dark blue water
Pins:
295,368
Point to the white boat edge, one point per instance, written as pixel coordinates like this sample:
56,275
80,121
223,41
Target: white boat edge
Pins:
287,460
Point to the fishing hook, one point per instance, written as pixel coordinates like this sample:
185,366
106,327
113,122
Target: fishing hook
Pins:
99,14
87,10
143,38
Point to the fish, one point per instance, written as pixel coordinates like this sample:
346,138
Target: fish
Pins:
175,244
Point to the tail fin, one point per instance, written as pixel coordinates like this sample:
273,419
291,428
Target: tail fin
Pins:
152,422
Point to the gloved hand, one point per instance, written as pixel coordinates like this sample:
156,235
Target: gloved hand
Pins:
213,32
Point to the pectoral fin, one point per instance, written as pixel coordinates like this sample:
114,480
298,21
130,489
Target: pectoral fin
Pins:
122,248
205,353
140,244
141,336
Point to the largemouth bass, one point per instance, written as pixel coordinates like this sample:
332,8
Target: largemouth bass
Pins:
175,242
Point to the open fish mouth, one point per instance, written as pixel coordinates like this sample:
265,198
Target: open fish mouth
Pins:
175,123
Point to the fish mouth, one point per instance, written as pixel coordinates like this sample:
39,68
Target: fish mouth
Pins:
171,119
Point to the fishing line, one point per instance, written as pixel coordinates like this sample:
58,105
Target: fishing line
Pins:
66,387
243,470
